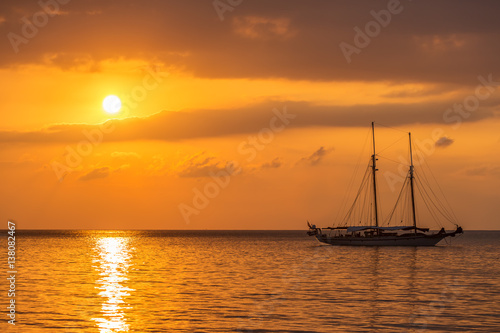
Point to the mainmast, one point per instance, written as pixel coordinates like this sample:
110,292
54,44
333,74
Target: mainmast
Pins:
412,188
374,169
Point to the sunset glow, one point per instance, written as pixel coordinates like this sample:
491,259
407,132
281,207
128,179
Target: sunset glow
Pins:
250,166
198,125
112,104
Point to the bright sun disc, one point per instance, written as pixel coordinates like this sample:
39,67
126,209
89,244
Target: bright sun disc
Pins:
112,104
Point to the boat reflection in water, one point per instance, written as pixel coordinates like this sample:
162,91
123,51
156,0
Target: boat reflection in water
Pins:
112,261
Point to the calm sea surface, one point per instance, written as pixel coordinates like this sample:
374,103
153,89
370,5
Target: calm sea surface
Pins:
252,281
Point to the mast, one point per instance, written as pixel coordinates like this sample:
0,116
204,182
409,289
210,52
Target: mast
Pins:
412,188
374,169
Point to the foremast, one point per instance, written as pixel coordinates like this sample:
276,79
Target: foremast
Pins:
374,169
412,176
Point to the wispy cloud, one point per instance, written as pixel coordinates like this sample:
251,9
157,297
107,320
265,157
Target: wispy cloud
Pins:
316,157
444,142
274,164
125,155
264,28
201,165
483,170
96,174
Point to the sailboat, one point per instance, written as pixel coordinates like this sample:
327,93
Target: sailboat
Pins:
353,231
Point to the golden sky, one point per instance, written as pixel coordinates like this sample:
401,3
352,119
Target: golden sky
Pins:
241,115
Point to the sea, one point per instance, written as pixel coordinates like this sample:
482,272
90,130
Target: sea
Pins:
247,281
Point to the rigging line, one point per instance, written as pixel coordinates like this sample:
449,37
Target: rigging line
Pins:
379,202
394,128
392,144
349,213
442,193
370,207
437,201
424,200
397,201
445,212
392,160
365,208
357,197
426,203
362,207
404,206
406,209
343,204
399,208
433,202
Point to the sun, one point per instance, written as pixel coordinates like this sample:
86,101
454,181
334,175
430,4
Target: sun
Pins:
112,104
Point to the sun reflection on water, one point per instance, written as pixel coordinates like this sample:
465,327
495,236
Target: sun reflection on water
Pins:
112,263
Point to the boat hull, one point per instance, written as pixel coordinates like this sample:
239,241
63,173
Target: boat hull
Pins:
417,240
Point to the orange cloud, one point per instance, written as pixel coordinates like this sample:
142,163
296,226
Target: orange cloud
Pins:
201,165
189,124
274,164
96,174
305,36
255,27
444,142
316,157
125,155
